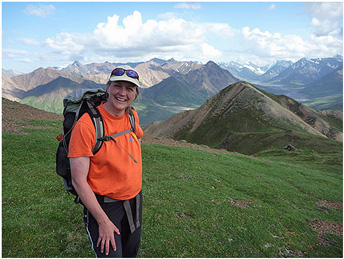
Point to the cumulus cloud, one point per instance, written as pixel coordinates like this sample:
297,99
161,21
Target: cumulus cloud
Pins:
209,51
325,10
326,18
265,44
135,38
132,39
40,10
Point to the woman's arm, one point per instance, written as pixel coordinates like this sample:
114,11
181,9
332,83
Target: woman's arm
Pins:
79,170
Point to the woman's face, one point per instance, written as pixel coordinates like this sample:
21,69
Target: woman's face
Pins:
121,95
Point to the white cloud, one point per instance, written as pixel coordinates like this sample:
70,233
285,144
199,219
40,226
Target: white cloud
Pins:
220,29
135,38
188,5
325,10
209,52
40,10
11,53
66,43
24,60
326,18
266,44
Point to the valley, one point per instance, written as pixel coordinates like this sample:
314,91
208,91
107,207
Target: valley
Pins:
183,99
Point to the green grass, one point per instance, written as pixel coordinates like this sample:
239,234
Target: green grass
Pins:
188,202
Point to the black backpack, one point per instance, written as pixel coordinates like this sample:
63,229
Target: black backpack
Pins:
75,105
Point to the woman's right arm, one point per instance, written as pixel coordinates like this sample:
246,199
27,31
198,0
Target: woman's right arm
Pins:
79,170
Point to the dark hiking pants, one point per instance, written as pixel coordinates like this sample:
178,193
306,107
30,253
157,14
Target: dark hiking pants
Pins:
128,242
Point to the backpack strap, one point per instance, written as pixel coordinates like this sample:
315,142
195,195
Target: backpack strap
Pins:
131,117
99,126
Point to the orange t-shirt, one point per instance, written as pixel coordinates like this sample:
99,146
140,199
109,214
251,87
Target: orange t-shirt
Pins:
112,172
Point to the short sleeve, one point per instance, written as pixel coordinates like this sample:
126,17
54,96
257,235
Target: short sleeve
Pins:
82,138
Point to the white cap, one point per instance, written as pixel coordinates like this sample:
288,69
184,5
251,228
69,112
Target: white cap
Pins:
125,77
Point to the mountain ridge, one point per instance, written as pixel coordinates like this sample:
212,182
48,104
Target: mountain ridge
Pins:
196,83
238,109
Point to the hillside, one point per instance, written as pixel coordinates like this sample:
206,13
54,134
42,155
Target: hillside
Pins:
16,117
196,204
242,111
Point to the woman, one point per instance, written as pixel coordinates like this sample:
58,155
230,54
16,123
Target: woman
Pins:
109,183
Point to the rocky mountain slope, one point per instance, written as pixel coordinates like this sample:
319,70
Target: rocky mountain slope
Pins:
243,109
46,88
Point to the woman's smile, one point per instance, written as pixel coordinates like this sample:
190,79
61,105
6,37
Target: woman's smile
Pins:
121,95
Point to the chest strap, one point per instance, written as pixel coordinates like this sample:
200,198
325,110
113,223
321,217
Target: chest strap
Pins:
114,136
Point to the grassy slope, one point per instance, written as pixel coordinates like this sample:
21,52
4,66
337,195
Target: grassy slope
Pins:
188,198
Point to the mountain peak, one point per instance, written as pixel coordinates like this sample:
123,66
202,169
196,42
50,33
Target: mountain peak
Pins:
237,110
76,63
211,63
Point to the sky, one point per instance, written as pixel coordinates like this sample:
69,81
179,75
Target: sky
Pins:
55,34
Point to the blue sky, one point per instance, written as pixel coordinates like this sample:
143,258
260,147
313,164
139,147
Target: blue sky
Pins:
43,34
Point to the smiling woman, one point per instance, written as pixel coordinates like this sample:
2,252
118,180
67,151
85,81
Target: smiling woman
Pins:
122,89
109,182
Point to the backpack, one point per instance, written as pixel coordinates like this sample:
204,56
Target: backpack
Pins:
75,105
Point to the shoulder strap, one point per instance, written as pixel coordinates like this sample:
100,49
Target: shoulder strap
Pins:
131,117
99,126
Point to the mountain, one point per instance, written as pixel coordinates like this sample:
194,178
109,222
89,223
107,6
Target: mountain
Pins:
275,69
325,93
10,89
284,72
329,123
17,85
183,67
241,111
49,97
247,71
209,79
11,72
330,84
151,73
306,71
172,86
174,92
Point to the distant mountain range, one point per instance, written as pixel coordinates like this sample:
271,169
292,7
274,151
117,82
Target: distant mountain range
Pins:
248,120
302,72
170,86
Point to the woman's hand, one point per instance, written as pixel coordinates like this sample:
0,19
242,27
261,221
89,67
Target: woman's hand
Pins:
106,236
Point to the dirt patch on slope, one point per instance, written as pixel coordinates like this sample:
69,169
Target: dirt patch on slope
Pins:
14,116
324,227
330,204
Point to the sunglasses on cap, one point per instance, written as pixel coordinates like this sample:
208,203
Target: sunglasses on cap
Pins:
121,71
